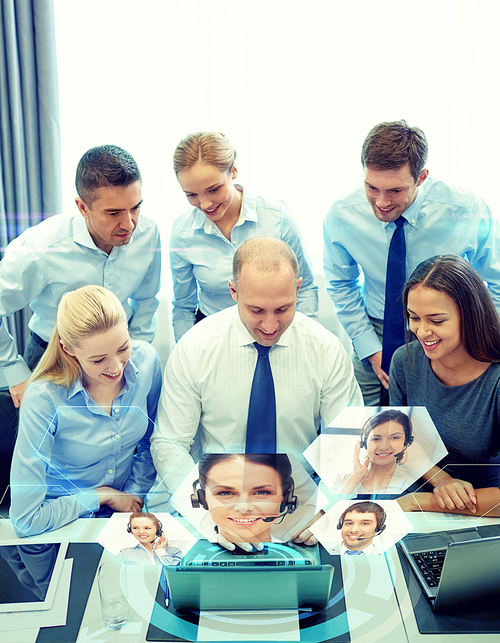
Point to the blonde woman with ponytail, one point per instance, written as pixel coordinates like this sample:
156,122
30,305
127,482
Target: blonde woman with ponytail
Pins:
223,215
89,405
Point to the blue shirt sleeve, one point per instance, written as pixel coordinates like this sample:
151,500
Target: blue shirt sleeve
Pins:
344,285
307,301
31,511
142,474
185,301
144,301
22,279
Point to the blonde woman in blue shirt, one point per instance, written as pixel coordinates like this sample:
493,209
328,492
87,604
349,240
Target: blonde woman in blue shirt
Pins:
88,406
223,216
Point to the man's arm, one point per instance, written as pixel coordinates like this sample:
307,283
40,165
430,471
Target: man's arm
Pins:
342,275
144,301
339,388
484,238
22,279
179,413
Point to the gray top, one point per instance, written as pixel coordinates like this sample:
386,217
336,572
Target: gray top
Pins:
466,416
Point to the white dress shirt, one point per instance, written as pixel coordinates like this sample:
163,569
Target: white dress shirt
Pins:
207,385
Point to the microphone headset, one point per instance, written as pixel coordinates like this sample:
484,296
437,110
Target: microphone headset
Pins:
287,506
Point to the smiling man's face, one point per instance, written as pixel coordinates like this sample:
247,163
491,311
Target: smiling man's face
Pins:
266,301
358,530
391,192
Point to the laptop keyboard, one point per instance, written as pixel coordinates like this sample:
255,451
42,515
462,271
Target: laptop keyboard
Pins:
430,564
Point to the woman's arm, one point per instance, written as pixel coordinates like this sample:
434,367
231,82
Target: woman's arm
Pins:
142,473
487,503
31,512
185,301
451,493
307,301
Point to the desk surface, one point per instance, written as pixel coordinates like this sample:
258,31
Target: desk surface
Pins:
378,605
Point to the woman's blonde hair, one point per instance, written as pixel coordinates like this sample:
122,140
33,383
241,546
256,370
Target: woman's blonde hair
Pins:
82,313
211,148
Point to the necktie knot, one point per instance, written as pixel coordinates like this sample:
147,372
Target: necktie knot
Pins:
262,350
400,221
353,553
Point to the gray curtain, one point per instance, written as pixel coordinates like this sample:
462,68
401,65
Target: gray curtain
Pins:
30,150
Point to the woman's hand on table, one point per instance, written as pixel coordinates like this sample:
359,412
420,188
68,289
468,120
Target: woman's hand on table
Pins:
119,500
453,493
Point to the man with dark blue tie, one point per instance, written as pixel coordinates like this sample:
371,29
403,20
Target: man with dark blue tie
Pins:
256,377
368,258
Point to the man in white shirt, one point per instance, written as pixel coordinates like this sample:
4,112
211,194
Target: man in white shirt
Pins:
359,524
206,390
105,243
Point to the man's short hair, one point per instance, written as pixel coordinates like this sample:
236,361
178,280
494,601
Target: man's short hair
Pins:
389,146
267,253
365,508
104,166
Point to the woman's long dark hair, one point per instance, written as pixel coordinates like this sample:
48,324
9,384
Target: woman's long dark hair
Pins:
479,321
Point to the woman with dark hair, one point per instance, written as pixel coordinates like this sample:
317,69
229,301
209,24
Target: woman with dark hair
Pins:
223,215
385,437
245,494
454,370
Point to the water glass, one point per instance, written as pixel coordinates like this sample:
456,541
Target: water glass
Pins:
112,578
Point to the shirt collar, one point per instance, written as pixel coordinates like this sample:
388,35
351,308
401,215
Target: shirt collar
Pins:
81,235
247,213
411,214
367,550
244,338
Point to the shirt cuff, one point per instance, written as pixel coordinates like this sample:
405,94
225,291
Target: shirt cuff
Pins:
367,344
89,501
16,373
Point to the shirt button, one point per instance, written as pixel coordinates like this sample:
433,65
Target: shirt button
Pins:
110,470
116,410
117,436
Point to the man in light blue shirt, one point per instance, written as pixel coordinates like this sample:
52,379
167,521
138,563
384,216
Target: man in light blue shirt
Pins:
105,243
438,219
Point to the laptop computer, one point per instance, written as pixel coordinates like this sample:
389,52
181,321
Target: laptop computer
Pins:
457,569
280,577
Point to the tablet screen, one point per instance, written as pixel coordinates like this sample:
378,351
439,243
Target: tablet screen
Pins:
29,574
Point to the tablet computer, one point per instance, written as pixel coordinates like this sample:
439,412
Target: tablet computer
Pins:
29,574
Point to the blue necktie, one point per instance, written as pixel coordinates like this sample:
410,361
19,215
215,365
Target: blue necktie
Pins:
353,553
394,318
261,424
